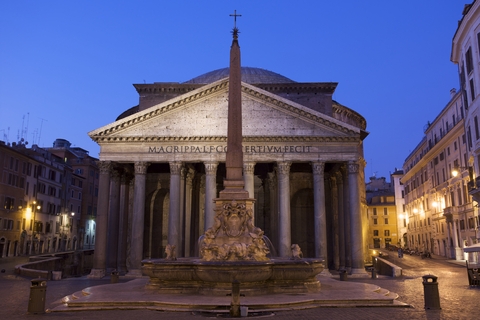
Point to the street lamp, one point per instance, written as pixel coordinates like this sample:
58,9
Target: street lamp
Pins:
34,227
456,170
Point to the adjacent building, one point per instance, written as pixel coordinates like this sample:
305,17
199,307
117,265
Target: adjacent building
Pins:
83,188
381,213
466,55
439,208
42,201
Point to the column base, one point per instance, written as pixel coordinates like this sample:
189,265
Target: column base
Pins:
96,274
326,273
359,271
134,273
122,270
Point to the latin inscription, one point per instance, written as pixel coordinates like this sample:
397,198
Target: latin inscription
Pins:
223,149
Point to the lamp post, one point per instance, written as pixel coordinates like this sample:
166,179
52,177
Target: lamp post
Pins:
34,227
65,228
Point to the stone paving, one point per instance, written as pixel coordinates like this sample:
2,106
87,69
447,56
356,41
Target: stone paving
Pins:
457,299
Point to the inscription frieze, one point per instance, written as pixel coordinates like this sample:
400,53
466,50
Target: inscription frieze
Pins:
223,149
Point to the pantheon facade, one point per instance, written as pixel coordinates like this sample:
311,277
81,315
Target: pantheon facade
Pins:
162,163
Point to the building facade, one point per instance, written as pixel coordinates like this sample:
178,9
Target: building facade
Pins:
466,55
83,188
39,212
162,164
439,208
382,214
402,217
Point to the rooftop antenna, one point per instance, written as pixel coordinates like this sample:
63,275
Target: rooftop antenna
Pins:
40,133
26,128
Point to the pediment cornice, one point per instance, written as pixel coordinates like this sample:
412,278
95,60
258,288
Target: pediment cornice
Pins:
223,139
297,109
104,133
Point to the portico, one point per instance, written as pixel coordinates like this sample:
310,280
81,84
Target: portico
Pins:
303,163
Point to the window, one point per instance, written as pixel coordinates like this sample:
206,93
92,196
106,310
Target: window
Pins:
386,233
385,211
9,203
472,89
375,233
386,220
374,221
469,60
477,132
471,223
374,211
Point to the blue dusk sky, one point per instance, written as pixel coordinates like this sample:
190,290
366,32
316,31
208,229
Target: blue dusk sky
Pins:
67,67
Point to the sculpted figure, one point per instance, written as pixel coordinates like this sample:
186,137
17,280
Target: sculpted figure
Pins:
233,237
171,252
296,252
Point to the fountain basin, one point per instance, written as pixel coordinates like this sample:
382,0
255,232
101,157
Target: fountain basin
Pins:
190,275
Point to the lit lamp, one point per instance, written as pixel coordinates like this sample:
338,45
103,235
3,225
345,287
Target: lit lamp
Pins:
415,210
35,208
456,170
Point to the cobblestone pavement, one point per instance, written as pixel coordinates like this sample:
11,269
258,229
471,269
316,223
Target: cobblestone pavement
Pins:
457,299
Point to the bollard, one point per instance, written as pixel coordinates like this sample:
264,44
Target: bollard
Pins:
114,277
430,292
235,304
343,274
36,302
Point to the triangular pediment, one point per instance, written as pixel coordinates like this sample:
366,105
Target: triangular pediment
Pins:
202,114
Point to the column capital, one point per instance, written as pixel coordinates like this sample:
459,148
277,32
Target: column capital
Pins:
141,167
353,167
211,167
175,167
318,167
115,175
284,167
249,167
339,176
333,180
105,167
125,178
189,176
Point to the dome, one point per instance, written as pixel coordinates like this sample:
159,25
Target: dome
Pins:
249,75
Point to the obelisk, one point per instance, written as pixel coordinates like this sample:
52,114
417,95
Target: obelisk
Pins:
233,236
234,184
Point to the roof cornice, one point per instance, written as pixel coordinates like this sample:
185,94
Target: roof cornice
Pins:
223,139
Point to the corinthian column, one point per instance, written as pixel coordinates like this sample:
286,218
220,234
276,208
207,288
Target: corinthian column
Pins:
113,221
174,209
188,209
101,229
138,219
341,219
210,192
355,218
123,224
285,234
320,217
249,179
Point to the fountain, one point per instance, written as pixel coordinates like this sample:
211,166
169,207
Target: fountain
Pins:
233,250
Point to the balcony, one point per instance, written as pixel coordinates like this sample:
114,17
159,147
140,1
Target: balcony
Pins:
474,190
